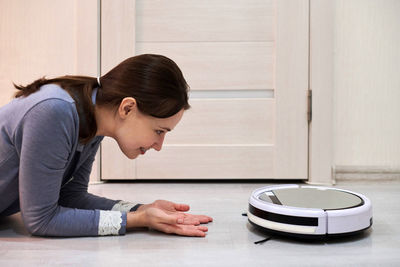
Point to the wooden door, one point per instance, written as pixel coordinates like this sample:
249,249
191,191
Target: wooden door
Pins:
246,62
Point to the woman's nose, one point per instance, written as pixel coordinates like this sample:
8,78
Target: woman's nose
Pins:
158,145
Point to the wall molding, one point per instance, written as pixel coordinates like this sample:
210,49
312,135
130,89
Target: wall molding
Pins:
365,173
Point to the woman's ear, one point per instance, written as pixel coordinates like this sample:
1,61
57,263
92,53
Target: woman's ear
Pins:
127,106
127,109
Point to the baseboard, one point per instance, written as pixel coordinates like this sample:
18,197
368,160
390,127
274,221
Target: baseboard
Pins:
353,173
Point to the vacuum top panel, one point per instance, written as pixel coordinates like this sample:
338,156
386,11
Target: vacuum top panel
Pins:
311,197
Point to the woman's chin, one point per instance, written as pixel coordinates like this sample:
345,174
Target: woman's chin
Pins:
132,155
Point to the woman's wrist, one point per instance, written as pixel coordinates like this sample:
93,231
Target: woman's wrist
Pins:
134,220
142,207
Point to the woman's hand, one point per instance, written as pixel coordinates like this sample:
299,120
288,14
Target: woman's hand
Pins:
171,207
168,217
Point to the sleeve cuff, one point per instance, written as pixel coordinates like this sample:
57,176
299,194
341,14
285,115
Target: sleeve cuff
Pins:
112,223
125,206
134,208
122,231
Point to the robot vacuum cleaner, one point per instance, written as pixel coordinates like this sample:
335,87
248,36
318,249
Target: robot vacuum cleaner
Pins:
309,211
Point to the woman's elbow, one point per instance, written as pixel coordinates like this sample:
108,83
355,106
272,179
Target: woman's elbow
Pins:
35,226
35,231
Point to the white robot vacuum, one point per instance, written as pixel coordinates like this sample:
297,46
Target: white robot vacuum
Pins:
309,211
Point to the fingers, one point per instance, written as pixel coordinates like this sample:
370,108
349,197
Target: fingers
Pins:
176,222
185,230
196,219
190,230
170,225
181,207
171,206
204,218
189,219
175,219
156,216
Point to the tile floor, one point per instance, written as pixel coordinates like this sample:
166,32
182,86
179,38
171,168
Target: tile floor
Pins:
229,242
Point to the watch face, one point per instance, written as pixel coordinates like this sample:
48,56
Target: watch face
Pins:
318,198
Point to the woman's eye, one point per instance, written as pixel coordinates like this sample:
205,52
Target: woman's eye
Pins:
159,132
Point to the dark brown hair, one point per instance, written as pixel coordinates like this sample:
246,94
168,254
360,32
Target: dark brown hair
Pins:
155,81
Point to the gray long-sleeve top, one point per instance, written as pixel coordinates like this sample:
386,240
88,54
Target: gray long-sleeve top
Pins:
39,136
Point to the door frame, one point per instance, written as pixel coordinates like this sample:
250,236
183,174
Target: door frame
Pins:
320,130
321,151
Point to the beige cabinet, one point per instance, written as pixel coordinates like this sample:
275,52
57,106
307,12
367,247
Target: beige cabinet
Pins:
246,62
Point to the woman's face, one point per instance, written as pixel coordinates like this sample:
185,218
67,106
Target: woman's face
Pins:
135,132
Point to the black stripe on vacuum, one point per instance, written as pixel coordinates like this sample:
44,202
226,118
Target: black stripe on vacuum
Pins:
296,220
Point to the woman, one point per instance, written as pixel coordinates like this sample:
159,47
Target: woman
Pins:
50,133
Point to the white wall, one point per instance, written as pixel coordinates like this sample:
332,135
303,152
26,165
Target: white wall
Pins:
46,38
367,88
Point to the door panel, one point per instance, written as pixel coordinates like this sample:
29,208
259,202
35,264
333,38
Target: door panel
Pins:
205,21
220,65
114,164
208,162
208,122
